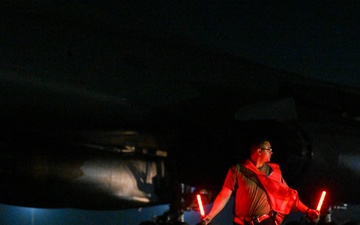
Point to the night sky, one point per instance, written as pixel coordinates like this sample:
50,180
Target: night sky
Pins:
315,40
310,39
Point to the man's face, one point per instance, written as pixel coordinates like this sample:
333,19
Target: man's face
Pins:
266,152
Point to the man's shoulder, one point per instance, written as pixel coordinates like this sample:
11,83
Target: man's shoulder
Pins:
241,169
239,166
243,162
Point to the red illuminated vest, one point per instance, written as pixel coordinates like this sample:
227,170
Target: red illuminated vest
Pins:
282,198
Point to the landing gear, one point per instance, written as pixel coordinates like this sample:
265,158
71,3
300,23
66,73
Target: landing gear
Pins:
168,218
154,223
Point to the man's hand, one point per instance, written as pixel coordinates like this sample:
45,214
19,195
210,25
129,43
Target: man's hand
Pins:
313,214
205,220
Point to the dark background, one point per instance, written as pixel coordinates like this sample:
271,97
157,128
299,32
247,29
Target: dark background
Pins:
318,40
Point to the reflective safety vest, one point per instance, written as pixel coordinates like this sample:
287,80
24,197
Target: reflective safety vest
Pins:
282,198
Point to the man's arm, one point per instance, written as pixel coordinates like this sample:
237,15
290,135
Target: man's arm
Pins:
220,201
313,214
301,207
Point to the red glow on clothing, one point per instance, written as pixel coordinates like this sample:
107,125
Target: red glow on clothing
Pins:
321,200
202,212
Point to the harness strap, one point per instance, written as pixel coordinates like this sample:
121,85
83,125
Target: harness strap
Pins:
254,220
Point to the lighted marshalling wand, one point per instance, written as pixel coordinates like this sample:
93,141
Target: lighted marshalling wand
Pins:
318,208
202,212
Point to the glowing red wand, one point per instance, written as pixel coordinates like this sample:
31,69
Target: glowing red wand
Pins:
321,201
202,212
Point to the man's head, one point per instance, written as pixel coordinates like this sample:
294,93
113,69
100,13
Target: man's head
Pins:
261,150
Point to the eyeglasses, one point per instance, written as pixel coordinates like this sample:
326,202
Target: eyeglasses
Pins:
267,149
